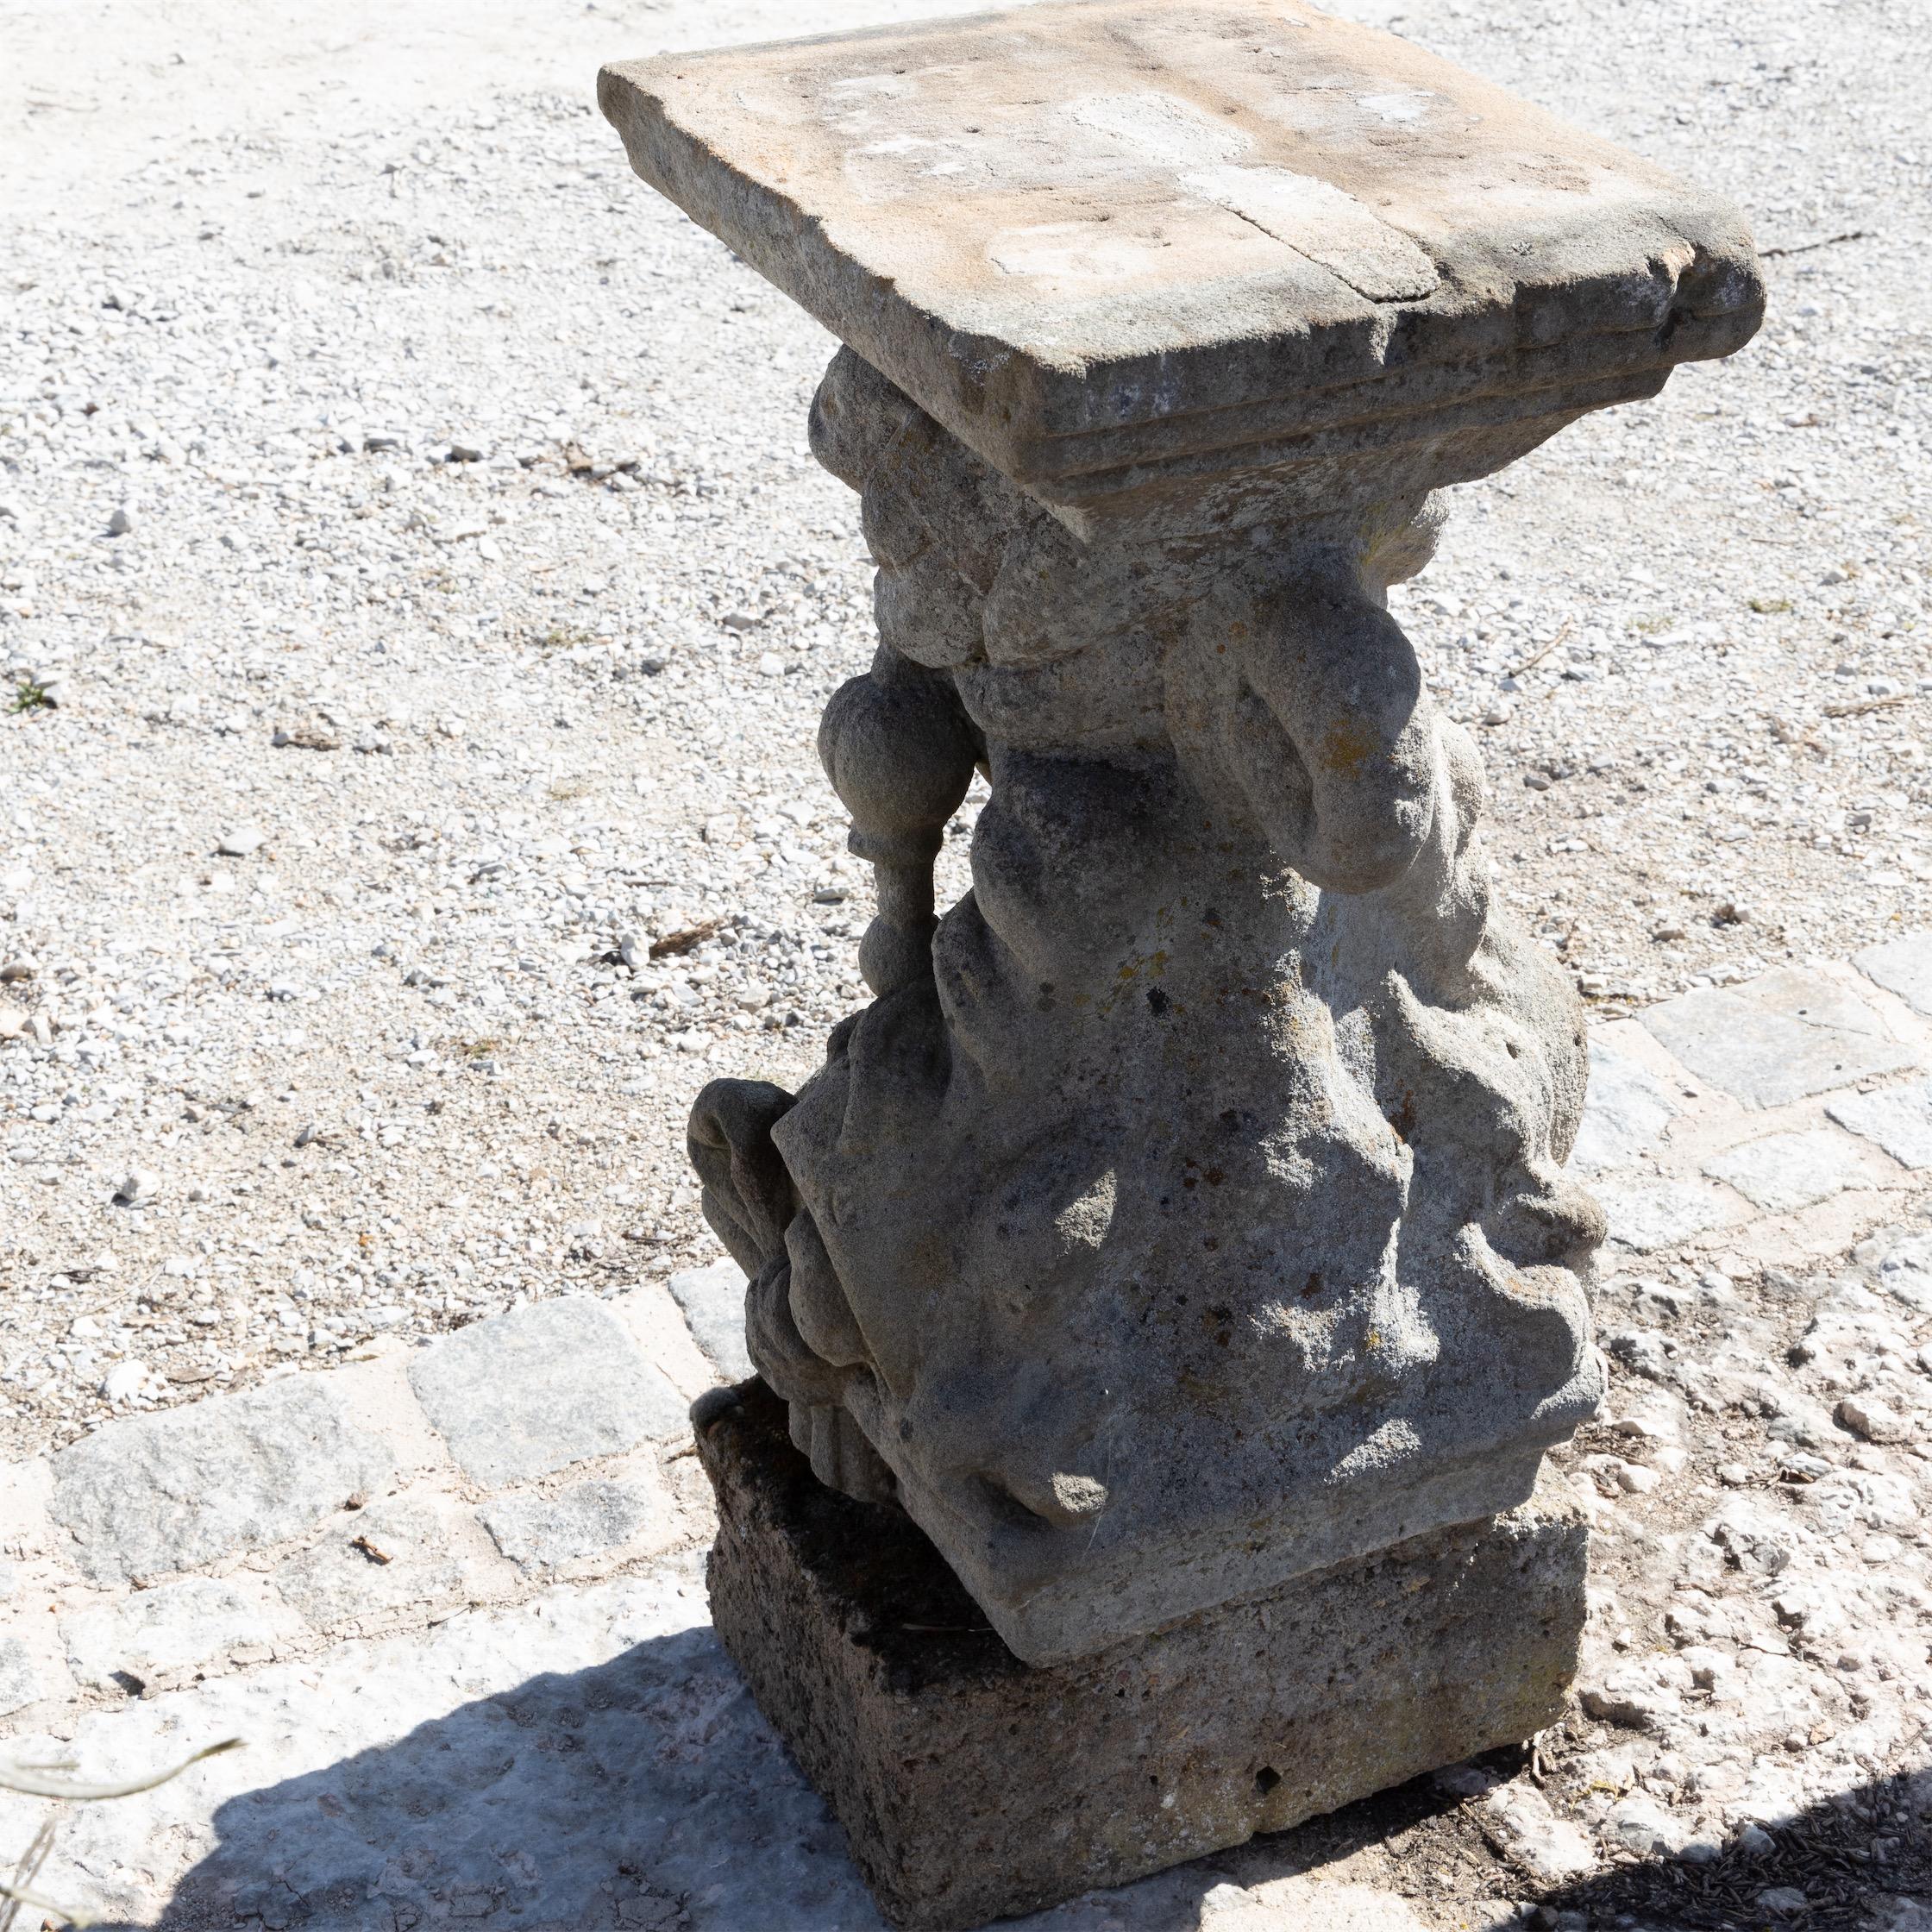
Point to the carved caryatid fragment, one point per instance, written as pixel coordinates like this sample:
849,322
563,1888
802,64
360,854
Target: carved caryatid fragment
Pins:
1186,1213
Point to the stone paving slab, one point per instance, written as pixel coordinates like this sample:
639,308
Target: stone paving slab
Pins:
1899,1119
587,1760
547,1385
714,1302
375,1561
1646,1214
1903,966
156,1494
1783,1037
1783,1172
159,1634
20,1683
1628,1110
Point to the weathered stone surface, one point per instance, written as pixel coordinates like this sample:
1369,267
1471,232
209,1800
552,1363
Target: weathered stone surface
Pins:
1152,1242
1626,1111
971,1786
1903,966
1309,1900
157,1492
1899,1119
1900,1262
371,1562
1183,245
20,1683
1650,1215
1788,1035
712,1300
1784,1172
536,1531
547,1385
156,1635
1186,1213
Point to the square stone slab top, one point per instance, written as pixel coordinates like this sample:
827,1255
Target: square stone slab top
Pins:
1195,263
972,1786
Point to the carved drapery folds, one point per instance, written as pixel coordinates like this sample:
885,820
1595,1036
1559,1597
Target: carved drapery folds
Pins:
1185,1211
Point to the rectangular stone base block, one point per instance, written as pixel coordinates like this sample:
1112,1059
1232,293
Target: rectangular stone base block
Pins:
972,1786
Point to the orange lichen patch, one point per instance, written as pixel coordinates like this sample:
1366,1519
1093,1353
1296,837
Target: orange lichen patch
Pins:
1155,963
1346,747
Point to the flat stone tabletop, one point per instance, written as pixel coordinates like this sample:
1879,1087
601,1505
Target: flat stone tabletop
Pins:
1092,238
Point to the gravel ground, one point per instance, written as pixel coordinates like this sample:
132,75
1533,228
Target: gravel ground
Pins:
417,600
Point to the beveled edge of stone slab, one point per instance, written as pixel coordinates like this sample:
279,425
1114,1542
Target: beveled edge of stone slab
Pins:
972,1786
1057,1593
1089,396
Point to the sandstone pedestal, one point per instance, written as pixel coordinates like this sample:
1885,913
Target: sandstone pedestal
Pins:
972,1786
1184,1223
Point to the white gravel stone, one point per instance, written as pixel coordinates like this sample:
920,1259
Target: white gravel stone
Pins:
1642,1826
125,1380
1876,1421
1518,1820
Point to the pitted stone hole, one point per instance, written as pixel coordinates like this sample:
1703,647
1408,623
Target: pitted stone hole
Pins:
1007,1508
1265,1780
